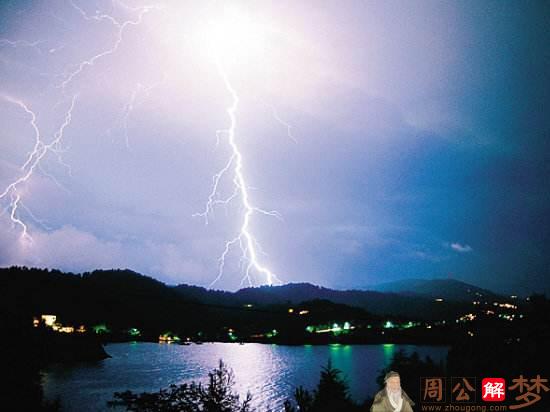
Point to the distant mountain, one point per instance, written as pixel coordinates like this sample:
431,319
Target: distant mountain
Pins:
125,297
378,303
117,300
448,289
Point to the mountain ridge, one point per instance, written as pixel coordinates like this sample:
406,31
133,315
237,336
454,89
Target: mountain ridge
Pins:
450,289
110,287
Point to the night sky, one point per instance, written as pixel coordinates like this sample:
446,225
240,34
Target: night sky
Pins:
396,139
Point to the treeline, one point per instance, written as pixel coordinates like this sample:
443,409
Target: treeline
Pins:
122,299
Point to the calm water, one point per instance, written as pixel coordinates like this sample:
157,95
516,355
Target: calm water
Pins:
269,372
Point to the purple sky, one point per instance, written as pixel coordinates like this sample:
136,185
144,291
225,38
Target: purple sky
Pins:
417,147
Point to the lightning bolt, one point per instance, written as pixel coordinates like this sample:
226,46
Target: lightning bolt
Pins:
119,37
283,123
248,244
33,162
11,194
140,89
234,169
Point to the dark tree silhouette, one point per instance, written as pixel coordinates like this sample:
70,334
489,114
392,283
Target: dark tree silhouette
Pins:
216,396
332,394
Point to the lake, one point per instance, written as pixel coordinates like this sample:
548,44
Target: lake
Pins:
269,372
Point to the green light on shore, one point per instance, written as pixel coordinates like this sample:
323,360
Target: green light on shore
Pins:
388,325
272,334
134,332
101,328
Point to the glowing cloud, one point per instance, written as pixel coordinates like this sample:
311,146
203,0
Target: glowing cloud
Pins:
233,38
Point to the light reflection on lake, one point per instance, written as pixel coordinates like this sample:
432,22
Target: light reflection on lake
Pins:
269,372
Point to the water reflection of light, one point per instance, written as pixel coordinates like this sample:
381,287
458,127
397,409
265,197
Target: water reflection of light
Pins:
341,358
254,368
389,349
270,372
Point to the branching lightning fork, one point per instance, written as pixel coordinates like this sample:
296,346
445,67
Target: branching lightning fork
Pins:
33,162
233,169
121,28
34,159
248,244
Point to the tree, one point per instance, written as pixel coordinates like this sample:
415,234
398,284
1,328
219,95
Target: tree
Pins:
332,394
217,396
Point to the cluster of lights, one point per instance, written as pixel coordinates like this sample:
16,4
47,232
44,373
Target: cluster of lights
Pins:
347,326
335,328
469,317
505,305
169,337
390,325
272,333
50,321
301,312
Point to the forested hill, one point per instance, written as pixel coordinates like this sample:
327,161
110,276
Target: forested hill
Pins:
119,294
